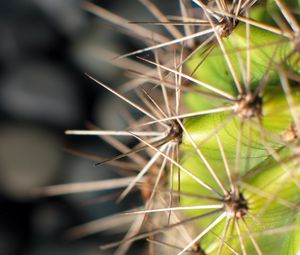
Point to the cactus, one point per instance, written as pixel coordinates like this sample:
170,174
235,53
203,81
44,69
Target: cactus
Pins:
218,141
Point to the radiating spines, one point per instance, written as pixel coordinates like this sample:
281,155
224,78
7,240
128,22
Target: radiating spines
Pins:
266,197
218,170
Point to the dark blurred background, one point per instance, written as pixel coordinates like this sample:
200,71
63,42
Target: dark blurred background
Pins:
46,47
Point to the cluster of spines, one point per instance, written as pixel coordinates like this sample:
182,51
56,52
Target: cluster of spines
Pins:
218,141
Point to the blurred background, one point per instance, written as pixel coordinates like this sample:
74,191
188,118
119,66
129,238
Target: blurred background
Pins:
46,47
